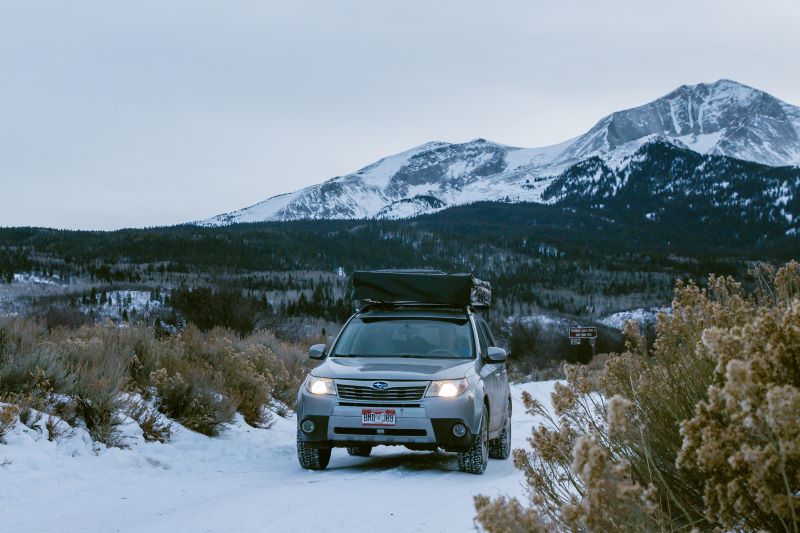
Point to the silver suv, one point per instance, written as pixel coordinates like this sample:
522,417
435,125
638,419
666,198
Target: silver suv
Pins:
422,375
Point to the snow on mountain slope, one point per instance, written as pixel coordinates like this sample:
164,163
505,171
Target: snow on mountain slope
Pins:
658,179
423,179
245,480
722,118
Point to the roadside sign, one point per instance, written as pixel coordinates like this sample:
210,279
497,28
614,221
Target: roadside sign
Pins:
583,333
575,341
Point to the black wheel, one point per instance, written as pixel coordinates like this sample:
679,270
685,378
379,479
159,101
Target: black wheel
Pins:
474,461
359,451
312,458
500,448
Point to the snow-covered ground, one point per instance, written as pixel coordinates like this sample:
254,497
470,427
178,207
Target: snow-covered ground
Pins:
642,316
245,480
28,278
130,302
543,320
15,297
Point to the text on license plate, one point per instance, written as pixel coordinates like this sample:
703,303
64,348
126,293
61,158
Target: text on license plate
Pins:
378,417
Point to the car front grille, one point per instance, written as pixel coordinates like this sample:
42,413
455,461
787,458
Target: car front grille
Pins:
392,432
392,394
373,405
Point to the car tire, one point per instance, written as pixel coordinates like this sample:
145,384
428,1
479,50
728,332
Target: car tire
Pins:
500,448
359,451
312,458
475,459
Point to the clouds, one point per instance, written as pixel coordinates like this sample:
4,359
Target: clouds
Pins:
162,112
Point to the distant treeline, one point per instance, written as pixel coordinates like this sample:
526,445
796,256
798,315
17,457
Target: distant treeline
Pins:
536,256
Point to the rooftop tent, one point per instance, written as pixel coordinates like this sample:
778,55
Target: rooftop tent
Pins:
421,286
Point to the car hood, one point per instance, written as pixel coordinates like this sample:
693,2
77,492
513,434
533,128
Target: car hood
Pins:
386,368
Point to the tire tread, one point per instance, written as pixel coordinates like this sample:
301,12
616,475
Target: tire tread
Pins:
472,461
500,448
312,458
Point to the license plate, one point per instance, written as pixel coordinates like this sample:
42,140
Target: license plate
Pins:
378,417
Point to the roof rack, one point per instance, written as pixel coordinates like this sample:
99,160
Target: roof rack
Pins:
427,287
365,305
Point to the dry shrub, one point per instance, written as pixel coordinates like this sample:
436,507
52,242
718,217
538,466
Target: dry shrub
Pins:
245,387
198,378
210,375
744,439
146,350
251,372
507,515
85,367
699,432
96,379
192,401
287,363
8,419
29,367
249,382
153,428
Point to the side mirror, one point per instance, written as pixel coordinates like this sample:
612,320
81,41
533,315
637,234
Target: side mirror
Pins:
496,355
317,351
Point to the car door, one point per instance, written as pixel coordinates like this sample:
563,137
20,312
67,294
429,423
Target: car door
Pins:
492,380
500,392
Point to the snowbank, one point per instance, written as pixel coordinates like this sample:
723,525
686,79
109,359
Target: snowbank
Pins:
642,316
245,480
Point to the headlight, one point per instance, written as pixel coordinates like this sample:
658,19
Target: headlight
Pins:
448,388
316,385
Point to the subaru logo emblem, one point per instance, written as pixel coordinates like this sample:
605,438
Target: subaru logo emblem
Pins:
380,385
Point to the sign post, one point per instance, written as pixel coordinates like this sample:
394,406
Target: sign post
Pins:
578,333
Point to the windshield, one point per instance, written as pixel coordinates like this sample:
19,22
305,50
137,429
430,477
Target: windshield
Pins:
406,337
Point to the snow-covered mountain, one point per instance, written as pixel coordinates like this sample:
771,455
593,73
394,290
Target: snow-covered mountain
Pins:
724,118
661,180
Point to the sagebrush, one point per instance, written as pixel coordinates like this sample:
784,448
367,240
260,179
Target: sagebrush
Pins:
95,375
700,432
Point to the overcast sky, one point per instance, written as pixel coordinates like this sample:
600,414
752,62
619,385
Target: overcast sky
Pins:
145,113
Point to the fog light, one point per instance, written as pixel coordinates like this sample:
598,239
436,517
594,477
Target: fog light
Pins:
459,430
308,426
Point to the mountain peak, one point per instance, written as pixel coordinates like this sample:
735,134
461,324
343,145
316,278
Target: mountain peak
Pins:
720,84
728,83
721,89
724,118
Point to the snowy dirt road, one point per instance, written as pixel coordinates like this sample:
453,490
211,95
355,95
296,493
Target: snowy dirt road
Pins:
245,480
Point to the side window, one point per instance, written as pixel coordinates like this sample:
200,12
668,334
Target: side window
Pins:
482,338
487,333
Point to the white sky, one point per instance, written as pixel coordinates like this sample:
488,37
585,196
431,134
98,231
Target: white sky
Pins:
158,112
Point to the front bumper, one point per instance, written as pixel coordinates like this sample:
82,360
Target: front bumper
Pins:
424,423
